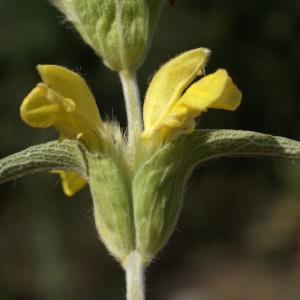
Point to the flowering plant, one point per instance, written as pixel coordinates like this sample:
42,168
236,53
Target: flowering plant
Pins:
136,178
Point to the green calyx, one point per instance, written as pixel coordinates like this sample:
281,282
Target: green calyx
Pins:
112,205
119,31
137,199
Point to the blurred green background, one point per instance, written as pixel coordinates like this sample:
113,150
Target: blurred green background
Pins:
239,233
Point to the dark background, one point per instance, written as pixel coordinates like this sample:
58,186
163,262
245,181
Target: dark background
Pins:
238,235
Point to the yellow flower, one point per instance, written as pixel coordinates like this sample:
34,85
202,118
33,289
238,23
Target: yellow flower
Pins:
172,102
64,101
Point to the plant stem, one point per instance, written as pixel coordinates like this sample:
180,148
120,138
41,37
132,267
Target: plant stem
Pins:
135,284
133,105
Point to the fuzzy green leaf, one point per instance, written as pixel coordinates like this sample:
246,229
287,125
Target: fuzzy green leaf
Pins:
158,186
55,155
204,145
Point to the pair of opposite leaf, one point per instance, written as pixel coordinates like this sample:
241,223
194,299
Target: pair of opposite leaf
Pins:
175,97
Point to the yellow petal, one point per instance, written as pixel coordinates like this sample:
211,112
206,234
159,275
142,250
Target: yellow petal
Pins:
65,102
72,182
169,83
212,91
71,85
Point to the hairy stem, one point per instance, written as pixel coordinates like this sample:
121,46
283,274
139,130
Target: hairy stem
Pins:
133,104
135,282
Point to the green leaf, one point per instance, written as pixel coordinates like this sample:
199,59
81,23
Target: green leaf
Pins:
158,186
55,155
204,145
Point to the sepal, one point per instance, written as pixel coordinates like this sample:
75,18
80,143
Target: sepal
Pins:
157,198
112,205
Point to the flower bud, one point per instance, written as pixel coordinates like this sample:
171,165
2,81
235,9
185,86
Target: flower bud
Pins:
119,31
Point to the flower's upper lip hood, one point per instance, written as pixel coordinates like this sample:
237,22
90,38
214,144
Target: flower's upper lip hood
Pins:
64,101
171,104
